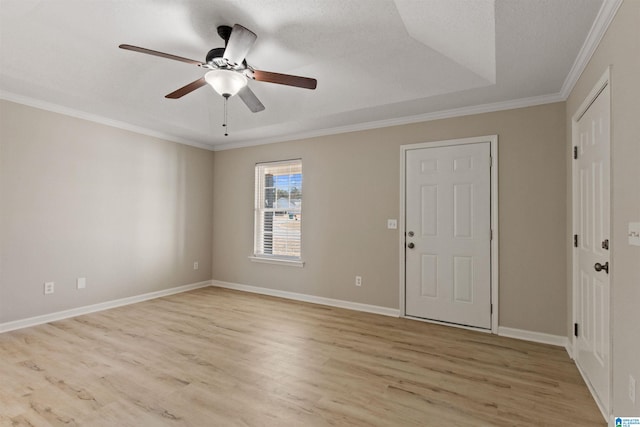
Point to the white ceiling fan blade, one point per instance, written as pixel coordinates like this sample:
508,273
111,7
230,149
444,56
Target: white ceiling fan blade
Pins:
240,42
250,99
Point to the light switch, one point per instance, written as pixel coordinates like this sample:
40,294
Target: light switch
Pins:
392,224
634,233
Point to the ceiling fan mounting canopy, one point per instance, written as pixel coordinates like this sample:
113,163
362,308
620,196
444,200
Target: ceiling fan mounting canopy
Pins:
224,31
232,70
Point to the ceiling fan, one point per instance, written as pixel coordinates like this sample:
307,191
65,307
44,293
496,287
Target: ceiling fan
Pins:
229,71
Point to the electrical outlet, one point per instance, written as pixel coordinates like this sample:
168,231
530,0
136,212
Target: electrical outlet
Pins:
358,280
49,287
634,233
392,224
632,389
195,265
81,283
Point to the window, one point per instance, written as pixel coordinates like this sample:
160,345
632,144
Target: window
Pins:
278,212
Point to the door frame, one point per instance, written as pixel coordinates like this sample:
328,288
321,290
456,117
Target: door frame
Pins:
493,140
601,84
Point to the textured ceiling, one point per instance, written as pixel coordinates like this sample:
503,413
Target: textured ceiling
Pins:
375,60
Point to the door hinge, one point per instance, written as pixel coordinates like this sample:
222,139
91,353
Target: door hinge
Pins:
575,240
575,152
491,234
575,329
491,308
490,161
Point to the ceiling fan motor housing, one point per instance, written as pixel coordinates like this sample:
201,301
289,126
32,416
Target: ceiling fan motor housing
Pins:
215,58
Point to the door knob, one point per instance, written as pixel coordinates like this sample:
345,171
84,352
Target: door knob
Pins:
411,245
600,267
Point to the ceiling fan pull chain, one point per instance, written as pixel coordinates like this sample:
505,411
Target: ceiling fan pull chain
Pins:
226,128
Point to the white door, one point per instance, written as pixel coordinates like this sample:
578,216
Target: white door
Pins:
448,241
592,229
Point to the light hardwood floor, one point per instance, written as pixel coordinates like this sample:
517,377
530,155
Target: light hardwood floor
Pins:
215,357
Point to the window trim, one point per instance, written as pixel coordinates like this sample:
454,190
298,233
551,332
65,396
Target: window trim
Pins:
277,260
292,261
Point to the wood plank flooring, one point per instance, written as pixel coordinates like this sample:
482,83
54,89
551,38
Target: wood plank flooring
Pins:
215,357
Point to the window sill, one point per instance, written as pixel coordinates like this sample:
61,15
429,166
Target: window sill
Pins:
280,261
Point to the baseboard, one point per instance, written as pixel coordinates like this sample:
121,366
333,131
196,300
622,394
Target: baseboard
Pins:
385,311
603,410
569,348
538,337
52,317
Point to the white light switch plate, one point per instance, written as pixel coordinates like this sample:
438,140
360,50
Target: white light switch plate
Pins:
81,283
634,233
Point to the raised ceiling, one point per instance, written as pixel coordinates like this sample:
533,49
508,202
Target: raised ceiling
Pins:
376,61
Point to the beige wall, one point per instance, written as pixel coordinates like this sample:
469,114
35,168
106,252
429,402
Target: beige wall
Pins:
131,213
351,186
620,48
77,199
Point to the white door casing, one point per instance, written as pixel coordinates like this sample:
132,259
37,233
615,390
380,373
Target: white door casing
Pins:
447,206
591,211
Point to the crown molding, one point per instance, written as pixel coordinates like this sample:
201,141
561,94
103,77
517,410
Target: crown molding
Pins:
437,115
598,29
54,108
600,25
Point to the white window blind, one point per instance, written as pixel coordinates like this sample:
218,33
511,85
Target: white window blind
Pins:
278,210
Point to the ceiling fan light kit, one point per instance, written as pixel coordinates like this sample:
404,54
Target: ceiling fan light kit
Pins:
226,82
230,72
